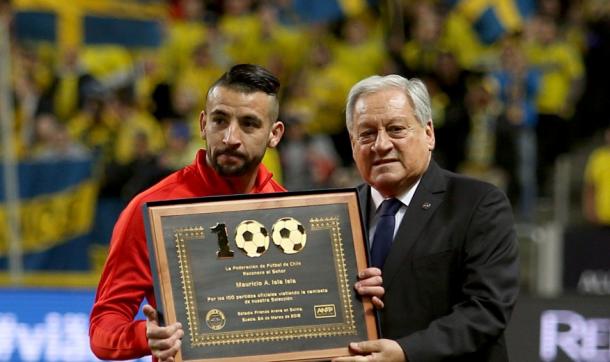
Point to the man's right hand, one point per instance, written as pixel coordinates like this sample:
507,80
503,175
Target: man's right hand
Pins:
164,342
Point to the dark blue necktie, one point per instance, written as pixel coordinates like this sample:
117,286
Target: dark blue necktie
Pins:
384,232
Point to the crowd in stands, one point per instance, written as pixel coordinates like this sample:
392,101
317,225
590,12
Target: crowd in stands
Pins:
502,111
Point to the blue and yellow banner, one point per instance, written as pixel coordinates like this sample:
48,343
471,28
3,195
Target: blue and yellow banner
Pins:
58,201
71,24
492,19
328,10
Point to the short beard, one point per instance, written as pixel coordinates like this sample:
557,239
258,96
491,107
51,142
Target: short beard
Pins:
248,165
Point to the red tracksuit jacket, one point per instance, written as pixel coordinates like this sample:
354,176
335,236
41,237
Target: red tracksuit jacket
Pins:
126,278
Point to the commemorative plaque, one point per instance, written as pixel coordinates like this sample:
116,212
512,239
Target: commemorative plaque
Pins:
265,277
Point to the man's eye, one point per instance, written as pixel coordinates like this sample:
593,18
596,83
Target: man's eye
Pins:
366,136
250,123
219,120
396,131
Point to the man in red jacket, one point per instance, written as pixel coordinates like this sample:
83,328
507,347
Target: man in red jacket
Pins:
239,122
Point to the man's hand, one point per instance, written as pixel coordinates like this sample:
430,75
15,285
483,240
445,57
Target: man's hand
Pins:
164,342
370,284
380,350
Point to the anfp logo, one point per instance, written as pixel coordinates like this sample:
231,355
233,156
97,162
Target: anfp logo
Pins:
325,311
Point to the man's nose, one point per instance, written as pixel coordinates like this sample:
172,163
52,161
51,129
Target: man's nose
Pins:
383,143
231,136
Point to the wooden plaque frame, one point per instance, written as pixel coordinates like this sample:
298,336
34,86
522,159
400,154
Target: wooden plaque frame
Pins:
292,301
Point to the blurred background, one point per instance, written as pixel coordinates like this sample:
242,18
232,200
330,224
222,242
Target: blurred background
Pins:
100,99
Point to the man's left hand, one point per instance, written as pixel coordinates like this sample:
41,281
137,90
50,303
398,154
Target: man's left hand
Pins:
370,284
380,350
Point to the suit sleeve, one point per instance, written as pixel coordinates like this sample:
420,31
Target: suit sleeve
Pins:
125,281
490,286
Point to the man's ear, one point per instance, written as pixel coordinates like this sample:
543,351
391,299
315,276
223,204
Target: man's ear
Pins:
202,120
275,134
430,135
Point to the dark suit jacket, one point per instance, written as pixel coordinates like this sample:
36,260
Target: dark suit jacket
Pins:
451,278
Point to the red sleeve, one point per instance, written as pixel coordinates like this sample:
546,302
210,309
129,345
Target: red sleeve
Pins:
125,281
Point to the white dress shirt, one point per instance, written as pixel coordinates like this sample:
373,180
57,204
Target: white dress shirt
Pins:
405,198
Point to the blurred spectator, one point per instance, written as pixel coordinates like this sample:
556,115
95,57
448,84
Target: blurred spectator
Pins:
483,111
323,87
93,125
150,74
65,94
52,141
195,78
452,122
45,127
518,85
190,26
562,74
359,35
460,38
421,50
184,106
122,181
323,160
132,122
239,27
180,147
307,161
294,150
551,9
30,77
596,189
144,170
281,47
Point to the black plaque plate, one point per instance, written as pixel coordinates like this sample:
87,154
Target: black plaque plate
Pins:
261,277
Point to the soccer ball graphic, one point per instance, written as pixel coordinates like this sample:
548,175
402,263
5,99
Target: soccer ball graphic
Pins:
289,235
252,237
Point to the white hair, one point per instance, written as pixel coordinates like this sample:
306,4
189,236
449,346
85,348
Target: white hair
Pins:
414,89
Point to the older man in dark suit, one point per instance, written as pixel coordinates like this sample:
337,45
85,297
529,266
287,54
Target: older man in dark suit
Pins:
444,244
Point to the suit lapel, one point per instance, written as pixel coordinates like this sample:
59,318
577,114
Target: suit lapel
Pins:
427,198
